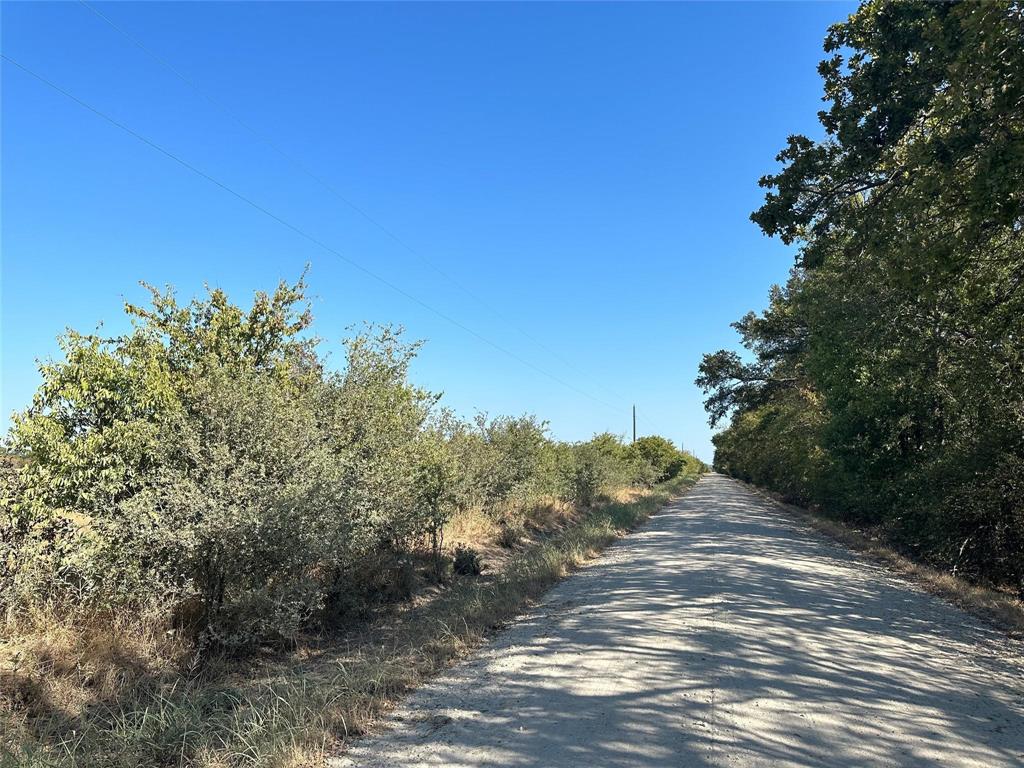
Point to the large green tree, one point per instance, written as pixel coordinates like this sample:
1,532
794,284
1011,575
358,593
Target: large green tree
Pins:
905,319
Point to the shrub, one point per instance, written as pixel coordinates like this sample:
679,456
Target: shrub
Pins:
584,474
504,460
209,462
13,528
467,562
207,457
240,511
661,455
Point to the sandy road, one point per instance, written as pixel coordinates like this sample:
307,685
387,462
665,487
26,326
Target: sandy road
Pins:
722,634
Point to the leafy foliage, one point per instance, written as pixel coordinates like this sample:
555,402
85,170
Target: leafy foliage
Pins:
885,381
666,460
210,462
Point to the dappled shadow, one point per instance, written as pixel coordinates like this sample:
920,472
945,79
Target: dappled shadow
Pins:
721,634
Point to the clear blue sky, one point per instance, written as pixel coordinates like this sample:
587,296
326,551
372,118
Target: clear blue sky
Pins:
586,171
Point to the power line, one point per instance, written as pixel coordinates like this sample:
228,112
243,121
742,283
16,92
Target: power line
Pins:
302,233
333,191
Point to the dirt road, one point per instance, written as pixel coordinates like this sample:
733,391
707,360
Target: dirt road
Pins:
723,634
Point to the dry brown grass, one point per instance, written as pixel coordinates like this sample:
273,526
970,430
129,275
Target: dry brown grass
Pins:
522,526
119,695
550,514
998,607
471,527
56,667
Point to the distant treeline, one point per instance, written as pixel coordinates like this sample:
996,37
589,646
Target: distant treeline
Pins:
209,467
885,380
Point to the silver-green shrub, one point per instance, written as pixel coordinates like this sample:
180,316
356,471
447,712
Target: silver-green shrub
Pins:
210,462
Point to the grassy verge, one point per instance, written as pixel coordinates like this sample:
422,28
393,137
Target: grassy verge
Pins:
70,701
998,607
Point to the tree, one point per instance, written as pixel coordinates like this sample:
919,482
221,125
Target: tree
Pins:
923,155
659,452
894,353
777,339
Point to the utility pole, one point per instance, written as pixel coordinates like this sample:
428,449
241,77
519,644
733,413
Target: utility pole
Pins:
634,423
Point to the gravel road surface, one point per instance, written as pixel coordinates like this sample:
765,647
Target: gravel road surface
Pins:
723,633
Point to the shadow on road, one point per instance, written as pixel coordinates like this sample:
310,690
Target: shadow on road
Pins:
721,634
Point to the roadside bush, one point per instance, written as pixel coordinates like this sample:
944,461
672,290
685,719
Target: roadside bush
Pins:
467,562
208,464
505,459
659,453
12,527
584,474
241,510
622,463
206,458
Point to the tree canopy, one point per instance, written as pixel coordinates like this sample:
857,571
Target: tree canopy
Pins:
885,380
